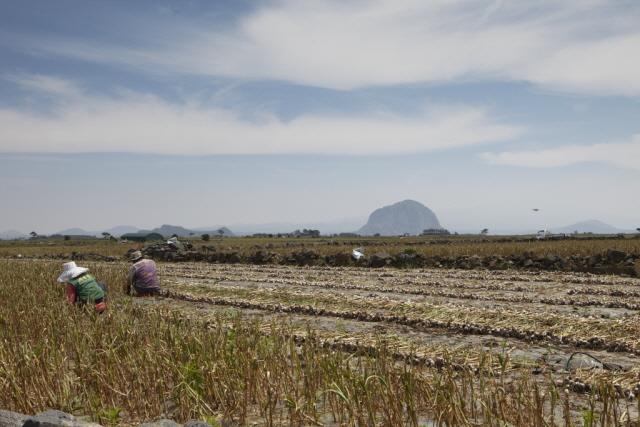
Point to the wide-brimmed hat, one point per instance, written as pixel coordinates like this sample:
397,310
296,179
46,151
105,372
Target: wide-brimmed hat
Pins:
70,271
135,255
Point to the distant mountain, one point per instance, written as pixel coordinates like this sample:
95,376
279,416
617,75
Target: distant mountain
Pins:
326,228
114,231
75,232
403,217
590,226
169,230
121,229
165,230
222,231
12,234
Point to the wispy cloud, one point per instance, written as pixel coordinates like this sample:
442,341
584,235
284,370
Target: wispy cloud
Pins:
621,154
143,123
46,84
589,46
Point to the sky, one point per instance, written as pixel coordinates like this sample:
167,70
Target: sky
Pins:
205,113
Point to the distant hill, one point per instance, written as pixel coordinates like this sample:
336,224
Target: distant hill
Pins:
589,226
223,231
12,234
165,230
400,218
121,229
326,227
169,230
75,232
114,231
214,231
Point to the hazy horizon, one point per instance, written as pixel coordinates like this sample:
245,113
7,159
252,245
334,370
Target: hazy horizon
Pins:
340,225
234,112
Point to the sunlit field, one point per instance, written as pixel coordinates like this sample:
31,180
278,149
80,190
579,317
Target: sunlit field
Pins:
424,245
280,345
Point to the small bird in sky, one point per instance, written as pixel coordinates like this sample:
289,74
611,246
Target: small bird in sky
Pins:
535,209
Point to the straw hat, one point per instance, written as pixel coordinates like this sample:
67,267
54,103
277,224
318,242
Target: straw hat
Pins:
70,271
136,255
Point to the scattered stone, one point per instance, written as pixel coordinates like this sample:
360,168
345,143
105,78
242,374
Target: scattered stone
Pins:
166,251
263,257
304,257
161,423
406,259
615,256
380,259
475,261
196,423
55,418
340,259
551,259
583,361
11,419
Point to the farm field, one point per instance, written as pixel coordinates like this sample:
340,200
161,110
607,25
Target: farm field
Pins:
463,245
281,345
543,317
361,213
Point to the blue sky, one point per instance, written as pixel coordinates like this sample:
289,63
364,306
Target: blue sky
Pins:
209,112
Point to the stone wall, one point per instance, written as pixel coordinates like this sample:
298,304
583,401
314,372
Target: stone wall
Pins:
54,418
610,262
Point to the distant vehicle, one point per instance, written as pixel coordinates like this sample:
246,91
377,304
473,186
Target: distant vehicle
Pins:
548,235
542,234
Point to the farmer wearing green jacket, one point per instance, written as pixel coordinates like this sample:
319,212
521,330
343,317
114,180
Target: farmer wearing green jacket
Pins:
81,287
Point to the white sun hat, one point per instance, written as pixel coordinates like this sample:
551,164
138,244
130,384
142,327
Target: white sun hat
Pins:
70,270
135,256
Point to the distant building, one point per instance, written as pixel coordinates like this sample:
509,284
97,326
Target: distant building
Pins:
142,237
71,237
348,235
436,232
306,233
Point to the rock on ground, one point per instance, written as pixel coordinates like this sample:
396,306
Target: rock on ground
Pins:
161,423
11,419
55,418
196,423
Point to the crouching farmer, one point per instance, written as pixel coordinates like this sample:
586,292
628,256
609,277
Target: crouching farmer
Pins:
82,288
143,276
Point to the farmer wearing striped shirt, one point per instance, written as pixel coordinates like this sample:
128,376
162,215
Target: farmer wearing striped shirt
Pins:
143,276
82,287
